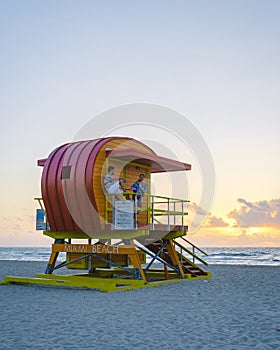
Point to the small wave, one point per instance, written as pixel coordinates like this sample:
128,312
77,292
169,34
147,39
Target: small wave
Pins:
229,254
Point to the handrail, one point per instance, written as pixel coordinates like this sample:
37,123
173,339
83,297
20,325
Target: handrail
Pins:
184,239
155,206
172,199
148,195
191,253
39,199
159,211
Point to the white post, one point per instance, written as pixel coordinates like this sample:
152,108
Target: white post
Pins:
168,210
153,214
182,216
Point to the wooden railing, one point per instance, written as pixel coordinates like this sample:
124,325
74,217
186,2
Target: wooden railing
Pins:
192,251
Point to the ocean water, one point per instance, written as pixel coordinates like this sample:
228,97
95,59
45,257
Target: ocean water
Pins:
243,256
27,254
234,256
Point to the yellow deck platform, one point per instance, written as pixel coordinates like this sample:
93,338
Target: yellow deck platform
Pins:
101,283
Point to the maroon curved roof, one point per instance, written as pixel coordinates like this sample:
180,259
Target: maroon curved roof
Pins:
70,203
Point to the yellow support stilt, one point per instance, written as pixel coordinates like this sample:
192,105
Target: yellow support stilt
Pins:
174,256
134,258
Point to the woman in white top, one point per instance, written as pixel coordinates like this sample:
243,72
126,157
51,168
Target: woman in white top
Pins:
111,186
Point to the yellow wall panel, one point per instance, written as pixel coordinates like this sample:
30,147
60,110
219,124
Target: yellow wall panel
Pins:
130,172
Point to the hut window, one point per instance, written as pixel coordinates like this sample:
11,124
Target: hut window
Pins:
66,170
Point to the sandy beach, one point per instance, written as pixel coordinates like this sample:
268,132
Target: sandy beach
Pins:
237,309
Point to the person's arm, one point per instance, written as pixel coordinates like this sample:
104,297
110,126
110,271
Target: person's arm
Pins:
143,189
108,182
122,184
113,188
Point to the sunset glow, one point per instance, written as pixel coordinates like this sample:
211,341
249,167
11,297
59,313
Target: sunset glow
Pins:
215,65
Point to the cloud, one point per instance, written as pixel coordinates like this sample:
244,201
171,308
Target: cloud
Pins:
211,220
197,209
236,237
257,214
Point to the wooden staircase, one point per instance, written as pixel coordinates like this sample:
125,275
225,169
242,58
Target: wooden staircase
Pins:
160,248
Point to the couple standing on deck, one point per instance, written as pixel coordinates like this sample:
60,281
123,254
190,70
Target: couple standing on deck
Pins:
137,187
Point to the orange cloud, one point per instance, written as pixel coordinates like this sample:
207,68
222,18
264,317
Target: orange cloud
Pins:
234,237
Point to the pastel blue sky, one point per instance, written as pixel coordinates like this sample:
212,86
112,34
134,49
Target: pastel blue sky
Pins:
216,62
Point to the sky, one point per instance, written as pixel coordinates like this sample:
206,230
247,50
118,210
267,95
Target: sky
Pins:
215,62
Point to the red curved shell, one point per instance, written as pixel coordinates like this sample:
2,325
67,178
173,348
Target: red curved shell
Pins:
70,203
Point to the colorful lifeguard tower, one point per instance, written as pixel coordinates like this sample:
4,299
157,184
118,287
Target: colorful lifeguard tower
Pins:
118,242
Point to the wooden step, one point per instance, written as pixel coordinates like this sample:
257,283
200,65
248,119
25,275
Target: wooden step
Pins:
195,272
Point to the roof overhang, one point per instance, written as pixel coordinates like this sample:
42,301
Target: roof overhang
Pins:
157,163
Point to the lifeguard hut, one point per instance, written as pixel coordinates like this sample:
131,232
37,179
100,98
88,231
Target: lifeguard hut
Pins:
118,242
